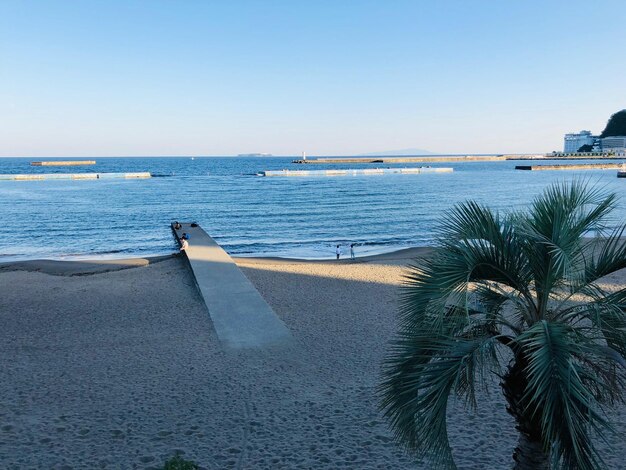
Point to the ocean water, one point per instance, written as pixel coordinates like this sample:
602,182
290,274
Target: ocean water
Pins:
247,214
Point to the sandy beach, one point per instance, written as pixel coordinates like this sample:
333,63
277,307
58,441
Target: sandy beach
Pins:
116,365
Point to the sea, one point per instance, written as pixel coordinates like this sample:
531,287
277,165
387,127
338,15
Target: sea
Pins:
250,215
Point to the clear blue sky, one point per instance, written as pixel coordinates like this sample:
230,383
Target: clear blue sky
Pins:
82,78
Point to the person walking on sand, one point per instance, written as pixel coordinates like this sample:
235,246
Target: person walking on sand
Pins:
338,251
351,250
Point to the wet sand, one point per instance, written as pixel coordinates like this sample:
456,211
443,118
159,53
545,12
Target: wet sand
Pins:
116,365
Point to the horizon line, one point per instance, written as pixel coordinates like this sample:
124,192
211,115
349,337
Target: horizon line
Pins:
277,156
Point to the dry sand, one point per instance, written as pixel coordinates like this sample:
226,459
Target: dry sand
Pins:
105,367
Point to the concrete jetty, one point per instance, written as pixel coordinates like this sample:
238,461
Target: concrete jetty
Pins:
456,158
356,172
588,166
73,176
241,317
63,163
443,159
524,156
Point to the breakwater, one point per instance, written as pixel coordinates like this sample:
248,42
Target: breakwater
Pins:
73,176
355,172
588,166
453,158
468,158
64,163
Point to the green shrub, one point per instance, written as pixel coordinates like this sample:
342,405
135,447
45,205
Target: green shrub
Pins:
178,463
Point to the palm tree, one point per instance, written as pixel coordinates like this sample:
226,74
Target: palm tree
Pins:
515,295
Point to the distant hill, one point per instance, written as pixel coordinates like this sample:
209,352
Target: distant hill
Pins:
616,125
402,152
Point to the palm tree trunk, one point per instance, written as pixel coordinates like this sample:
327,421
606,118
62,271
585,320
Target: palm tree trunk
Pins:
529,453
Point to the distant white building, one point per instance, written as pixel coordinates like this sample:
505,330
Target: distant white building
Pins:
614,144
574,141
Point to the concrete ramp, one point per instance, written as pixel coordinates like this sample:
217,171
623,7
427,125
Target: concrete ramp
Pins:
241,317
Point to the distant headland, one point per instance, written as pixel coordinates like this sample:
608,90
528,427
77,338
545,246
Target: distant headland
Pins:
616,125
397,153
255,155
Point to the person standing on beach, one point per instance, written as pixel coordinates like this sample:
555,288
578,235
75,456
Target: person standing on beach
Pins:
351,250
338,251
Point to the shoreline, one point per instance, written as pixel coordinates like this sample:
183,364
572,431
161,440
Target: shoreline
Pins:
400,254
64,267
80,267
95,265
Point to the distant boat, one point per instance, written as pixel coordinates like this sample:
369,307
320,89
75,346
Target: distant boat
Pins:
254,155
193,158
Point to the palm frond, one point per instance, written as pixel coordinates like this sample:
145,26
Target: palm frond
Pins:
559,392
609,258
606,313
476,245
421,374
554,231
